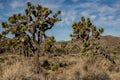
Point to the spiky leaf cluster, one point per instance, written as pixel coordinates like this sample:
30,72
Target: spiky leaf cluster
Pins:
84,29
15,25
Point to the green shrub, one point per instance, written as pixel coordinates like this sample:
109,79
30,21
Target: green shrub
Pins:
55,67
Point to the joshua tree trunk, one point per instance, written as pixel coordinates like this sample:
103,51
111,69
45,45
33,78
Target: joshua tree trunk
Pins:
34,34
39,37
33,37
44,35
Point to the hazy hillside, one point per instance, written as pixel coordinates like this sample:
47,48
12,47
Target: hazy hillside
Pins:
110,41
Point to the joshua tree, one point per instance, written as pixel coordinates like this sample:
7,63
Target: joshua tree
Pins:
36,21
40,20
87,33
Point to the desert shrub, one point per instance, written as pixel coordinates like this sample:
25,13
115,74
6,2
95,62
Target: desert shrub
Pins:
75,48
114,68
115,51
63,45
48,45
46,64
63,49
100,76
54,77
55,67
77,75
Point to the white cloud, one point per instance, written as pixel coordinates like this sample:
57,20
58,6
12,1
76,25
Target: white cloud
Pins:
11,13
107,21
85,13
100,13
68,17
1,6
106,10
87,5
93,17
52,6
111,17
103,18
89,9
16,4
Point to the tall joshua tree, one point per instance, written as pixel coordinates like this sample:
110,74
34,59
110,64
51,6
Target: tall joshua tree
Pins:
36,21
86,32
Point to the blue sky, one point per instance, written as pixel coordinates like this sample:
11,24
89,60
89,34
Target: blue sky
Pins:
103,13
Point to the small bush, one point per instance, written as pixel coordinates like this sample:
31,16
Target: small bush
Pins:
100,76
55,67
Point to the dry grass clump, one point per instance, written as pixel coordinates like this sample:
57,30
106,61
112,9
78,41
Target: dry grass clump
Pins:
93,76
20,68
93,68
16,71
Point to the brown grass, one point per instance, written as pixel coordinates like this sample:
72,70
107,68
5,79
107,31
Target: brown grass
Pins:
77,68
62,67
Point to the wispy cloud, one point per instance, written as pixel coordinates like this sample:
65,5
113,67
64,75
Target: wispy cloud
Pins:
68,17
103,13
52,4
16,4
1,6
